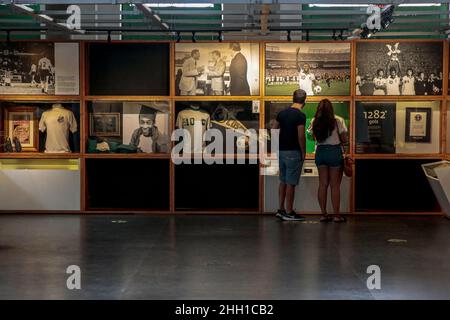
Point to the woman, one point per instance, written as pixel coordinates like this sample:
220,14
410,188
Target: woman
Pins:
330,133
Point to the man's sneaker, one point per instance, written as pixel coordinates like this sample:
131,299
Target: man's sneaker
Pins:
292,216
280,214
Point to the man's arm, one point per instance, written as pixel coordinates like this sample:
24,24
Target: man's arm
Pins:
296,59
302,139
189,69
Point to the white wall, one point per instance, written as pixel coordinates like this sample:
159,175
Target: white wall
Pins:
34,189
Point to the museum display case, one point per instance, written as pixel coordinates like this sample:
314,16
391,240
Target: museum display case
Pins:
94,121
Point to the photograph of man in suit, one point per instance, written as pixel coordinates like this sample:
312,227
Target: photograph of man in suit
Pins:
238,72
216,73
188,82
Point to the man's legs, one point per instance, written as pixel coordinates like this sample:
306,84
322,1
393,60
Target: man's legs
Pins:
290,195
282,195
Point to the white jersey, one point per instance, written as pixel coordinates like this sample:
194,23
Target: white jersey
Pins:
408,86
58,121
393,86
306,82
190,118
379,82
45,64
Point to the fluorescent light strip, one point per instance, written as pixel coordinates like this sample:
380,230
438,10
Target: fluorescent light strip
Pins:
179,5
366,5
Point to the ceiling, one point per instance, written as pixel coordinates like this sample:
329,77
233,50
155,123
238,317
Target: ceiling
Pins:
228,19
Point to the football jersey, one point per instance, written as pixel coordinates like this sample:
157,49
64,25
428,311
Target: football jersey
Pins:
45,64
306,82
393,86
379,82
408,86
57,121
188,119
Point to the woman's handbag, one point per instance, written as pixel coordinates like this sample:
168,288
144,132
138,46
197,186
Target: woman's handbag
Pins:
348,164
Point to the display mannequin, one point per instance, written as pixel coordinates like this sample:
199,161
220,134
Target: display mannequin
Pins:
57,122
188,118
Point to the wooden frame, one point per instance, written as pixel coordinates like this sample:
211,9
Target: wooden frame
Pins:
31,126
115,115
84,98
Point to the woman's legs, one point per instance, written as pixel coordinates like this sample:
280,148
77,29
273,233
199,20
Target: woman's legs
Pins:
323,187
335,184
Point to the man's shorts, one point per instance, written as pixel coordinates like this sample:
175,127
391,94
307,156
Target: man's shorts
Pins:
290,165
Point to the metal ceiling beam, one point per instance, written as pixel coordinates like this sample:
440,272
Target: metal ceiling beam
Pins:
152,17
47,20
109,2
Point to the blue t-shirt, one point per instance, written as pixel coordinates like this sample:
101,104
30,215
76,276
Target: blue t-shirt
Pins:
289,119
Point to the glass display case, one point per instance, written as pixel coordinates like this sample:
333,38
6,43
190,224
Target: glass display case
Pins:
128,127
402,127
341,109
236,121
39,127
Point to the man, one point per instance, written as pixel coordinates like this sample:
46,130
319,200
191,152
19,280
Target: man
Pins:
45,71
292,151
421,85
393,83
379,84
188,82
408,82
146,138
216,73
433,86
307,80
238,72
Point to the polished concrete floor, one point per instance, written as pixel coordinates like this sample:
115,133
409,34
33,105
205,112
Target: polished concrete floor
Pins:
223,257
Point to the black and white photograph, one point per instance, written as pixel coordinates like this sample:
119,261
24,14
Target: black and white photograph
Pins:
221,69
397,68
321,69
29,68
146,126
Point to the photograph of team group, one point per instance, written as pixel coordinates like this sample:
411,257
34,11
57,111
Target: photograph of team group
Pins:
318,68
222,69
27,68
399,68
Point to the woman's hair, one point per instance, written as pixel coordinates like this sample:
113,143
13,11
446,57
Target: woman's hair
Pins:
324,121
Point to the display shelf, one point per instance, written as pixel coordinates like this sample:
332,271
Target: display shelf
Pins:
124,174
33,98
30,155
126,156
135,184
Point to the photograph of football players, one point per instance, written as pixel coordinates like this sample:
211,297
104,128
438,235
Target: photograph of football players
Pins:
27,68
392,67
317,68
222,69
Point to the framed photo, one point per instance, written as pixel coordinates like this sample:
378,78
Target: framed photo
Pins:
394,68
418,125
21,122
219,69
105,124
321,69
